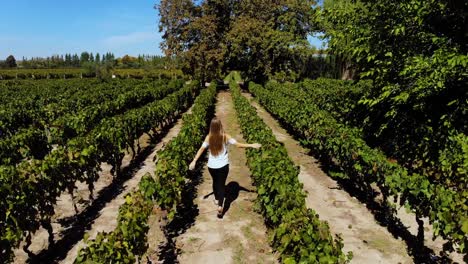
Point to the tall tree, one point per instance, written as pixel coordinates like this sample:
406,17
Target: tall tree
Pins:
68,61
84,57
416,52
210,39
274,31
175,16
76,60
10,62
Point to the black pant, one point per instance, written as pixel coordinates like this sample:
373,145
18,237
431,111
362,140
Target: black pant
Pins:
219,181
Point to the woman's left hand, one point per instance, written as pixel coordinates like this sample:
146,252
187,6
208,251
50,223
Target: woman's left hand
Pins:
192,165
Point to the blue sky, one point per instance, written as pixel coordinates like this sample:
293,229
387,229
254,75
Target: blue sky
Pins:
46,27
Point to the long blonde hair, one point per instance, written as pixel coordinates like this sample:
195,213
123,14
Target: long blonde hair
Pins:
216,137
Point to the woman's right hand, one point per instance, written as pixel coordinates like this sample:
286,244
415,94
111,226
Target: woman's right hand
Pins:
192,165
256,145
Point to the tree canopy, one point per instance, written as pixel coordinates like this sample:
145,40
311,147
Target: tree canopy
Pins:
261,38
10,62
416,53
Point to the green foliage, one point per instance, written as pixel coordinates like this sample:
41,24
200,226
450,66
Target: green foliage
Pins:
147,73
338,97
35,141
44,101
101,71
260,38
89,69
31,187
270,39
10,62
26,143
416,54
74,124
233,76
445,207
454,161
172,165
40,74
297,233
128,240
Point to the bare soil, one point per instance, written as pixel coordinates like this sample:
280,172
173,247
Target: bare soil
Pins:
100,215
240,236
370,242
357,222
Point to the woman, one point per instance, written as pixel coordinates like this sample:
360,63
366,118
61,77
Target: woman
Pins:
218,161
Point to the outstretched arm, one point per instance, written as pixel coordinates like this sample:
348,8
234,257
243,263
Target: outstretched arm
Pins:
245,145
242,145
197,156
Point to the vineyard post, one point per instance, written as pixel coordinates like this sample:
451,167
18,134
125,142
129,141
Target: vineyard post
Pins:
420,235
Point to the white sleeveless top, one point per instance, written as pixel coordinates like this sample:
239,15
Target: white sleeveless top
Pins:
221,160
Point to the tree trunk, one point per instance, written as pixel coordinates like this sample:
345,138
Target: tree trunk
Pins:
347,72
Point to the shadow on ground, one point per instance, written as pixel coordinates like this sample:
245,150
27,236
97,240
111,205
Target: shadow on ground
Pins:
383,213
232,193
187,211
76,226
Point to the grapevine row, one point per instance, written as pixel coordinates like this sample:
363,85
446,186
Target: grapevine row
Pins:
446,209
297,232
80,73
439,152
129,240
33,142
75,124
44,101
30,189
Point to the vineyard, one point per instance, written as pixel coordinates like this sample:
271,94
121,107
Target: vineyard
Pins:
56,140
57,135
222,131
82,73
365,167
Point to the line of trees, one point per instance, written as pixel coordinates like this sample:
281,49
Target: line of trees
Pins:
58,61
86,59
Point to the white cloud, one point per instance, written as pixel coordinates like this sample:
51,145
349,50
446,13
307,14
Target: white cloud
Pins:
128,39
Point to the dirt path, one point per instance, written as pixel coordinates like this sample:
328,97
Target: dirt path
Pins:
369,242
70,228
240,237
